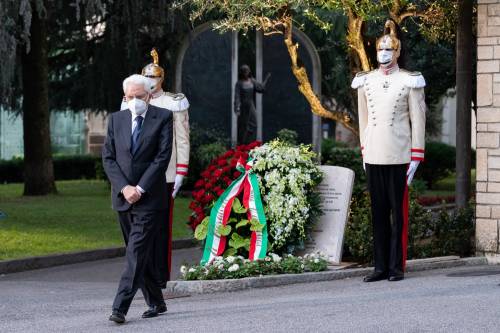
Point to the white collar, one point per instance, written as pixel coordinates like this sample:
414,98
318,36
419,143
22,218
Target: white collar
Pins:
158,93
389,70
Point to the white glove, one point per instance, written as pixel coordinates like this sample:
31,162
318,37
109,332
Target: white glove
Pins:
177,184
411,171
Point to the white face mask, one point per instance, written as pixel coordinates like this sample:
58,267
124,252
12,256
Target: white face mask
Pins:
154,83
384,57
137,106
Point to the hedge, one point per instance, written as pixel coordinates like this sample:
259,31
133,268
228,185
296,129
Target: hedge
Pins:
65,168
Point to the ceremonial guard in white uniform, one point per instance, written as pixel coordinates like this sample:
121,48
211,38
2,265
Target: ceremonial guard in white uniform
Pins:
178,166
391,109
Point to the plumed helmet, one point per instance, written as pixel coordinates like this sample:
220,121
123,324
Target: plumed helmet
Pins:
390,38
153,70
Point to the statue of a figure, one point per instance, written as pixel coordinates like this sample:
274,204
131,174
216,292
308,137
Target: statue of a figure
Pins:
244,103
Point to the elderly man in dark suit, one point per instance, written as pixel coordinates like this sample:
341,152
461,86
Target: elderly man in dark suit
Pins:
135,156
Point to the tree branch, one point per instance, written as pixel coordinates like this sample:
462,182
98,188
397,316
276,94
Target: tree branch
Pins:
413,13
305,88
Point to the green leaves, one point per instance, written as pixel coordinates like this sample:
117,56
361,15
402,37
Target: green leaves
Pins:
230,252
238,207
256,226
238,241
241,223
201,230
224,230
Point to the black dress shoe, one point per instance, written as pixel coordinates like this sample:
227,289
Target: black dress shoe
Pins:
397,277
154,311
117,317
375,276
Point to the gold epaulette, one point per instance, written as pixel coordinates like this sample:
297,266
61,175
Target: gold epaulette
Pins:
410,72
359,74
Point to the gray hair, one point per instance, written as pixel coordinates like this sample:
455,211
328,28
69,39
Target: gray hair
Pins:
139,80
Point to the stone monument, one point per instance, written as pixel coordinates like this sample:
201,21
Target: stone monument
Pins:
335,191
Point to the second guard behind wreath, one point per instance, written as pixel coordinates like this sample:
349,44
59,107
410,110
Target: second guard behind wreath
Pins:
391,109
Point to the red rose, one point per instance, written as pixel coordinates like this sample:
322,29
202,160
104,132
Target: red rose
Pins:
236,174
217,173
233,162
199,183
222,162
220,192
205,174
254,144
199,195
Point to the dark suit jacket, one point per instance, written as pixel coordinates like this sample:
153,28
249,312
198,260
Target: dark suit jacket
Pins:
147,166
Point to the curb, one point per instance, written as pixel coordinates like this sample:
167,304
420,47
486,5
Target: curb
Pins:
214,286
31,263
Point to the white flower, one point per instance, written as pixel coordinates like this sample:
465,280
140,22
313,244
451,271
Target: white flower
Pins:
183,269
316,260
221,267
234,268
230,259
302,266
246,261
276,258
267,259
192,270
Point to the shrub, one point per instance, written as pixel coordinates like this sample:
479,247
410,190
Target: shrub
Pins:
326,148
236,267
348,158
358,239
287,135
65,168
203,143
453,233
439,163
428,236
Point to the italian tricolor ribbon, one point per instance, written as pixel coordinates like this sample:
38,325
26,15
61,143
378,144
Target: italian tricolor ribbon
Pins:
248,184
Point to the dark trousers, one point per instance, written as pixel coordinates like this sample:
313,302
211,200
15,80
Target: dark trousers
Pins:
138,228
162,243
389,206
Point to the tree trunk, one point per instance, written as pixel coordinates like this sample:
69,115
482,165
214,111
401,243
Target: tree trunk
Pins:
355,41
38,165
464,95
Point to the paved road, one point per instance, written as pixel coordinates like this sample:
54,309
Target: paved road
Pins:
77,298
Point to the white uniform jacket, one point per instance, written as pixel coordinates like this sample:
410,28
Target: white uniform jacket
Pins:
391,111
179,105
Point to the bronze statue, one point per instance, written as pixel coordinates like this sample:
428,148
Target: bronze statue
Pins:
244,103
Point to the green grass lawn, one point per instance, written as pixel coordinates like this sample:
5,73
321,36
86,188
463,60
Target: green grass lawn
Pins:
446,186
78,218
